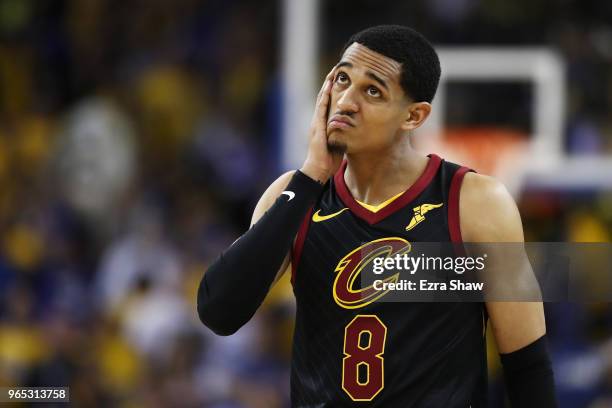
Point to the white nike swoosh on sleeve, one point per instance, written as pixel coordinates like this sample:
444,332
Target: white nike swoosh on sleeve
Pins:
290,194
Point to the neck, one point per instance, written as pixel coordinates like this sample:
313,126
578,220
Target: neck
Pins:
373,178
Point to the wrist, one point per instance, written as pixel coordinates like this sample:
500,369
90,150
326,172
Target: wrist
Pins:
304,186
317,174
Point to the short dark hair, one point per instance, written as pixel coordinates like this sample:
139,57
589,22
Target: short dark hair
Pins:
420,64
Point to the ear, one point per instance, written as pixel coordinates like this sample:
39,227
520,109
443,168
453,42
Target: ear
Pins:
416,113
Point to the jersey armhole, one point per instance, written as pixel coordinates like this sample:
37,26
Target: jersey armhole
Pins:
296,249
454,224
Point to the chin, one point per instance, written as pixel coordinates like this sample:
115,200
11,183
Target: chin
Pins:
336,145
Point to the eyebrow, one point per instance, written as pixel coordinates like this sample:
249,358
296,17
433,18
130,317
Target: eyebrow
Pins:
369,74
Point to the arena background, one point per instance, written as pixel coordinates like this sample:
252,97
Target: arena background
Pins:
137,135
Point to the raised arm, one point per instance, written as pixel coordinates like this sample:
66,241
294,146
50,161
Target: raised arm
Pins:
237,282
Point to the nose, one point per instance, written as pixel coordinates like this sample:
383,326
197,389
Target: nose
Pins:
347,102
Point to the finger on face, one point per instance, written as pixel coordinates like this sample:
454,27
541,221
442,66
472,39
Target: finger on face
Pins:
328,77
325,92
321,91
328,87
323,101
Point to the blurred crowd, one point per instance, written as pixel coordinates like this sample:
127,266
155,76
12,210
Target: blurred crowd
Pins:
135,139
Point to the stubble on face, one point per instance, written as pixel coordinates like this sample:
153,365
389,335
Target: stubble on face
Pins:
336,147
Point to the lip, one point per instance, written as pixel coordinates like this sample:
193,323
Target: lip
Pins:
340,122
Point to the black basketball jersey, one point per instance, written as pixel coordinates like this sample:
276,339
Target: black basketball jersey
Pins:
350,350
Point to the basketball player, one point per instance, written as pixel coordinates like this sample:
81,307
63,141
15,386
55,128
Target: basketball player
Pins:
324,218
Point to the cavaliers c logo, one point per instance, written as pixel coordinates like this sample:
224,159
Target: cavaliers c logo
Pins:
349,268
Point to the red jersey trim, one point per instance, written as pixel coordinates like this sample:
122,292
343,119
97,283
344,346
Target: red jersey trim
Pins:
454,224
374,217
298,246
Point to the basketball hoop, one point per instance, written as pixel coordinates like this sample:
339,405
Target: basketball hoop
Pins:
497,152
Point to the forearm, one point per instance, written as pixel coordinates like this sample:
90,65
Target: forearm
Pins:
529,376
237,282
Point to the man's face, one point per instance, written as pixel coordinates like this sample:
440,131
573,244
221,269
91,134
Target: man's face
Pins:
368,105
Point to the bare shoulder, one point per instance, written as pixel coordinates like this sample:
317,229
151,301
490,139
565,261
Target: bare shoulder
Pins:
487,211
270,195
477,187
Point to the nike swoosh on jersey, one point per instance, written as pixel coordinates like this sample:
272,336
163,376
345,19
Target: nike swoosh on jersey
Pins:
288,193
318,218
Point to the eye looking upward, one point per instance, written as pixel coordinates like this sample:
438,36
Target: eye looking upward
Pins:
342,79
373,91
